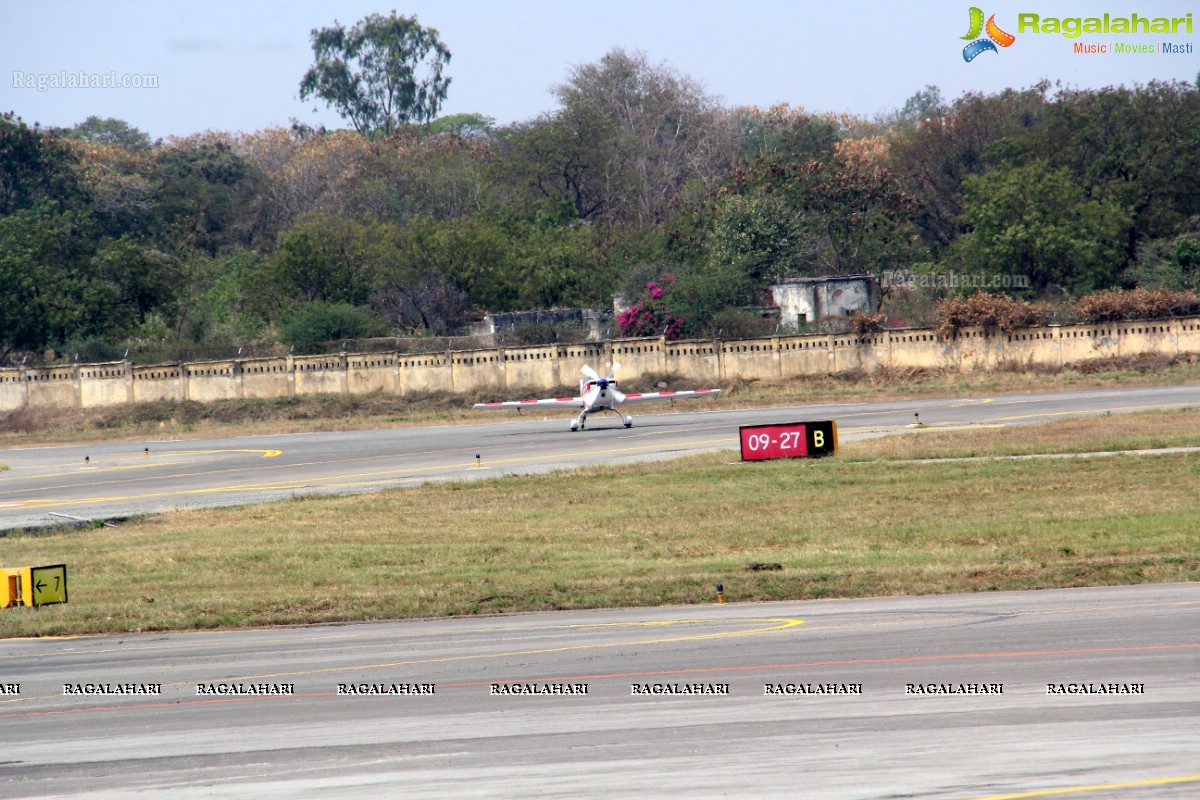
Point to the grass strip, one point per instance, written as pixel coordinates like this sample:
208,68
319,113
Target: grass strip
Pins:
1095,434
648,534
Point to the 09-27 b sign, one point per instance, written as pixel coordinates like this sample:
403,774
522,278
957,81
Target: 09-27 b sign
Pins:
788,440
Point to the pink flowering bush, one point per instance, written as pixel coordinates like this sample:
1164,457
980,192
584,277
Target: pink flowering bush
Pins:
651,315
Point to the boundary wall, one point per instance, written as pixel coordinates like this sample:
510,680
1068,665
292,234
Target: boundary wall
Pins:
504,370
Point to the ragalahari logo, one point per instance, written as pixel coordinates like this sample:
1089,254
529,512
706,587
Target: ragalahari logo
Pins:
995,36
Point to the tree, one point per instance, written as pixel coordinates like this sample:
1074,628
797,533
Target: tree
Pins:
657,131
560,266
412,174
1038,222
368,73
220,303
846,215
37,169
556,161
305,176
922,107
60,279
783,130
465,125
95,130
651,314
429,272
326,260
208,194
123,187
935,157
137,278
761,234
1168,263
312,324
1131,146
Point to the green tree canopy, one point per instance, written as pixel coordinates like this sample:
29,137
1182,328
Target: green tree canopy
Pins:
60,279
369,73
1134,147
208,197
37,169
935,157
1038,222
312,324
109,131
327,260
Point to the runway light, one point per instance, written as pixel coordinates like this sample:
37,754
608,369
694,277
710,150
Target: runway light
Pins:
147,451
721,593
87,461
477,464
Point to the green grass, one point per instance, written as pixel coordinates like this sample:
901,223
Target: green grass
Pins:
862,523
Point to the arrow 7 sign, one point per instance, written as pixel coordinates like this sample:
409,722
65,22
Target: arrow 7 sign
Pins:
49,584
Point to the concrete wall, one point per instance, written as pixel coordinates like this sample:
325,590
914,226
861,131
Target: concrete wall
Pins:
105,384
212,380
501,372
268,377
53,386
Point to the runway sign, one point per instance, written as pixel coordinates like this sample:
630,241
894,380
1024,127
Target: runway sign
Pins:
33,586
788,440
49,584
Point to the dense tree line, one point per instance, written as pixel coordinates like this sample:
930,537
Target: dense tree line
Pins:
415,225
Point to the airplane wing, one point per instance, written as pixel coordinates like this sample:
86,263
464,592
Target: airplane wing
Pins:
549,402
650,397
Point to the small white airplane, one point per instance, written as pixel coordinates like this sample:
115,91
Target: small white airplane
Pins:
598,394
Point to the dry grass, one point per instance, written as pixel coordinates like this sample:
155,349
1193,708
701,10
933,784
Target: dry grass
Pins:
648,534
1109,432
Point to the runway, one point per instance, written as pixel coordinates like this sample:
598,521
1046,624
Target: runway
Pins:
104,481
1079,693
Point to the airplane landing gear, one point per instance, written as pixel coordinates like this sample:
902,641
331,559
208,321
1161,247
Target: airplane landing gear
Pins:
580,422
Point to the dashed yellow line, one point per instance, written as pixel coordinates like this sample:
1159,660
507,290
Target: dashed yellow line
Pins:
1080,412
351,479
778,624
775,624
1100,787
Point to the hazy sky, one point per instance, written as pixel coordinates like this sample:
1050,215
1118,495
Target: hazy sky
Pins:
236,66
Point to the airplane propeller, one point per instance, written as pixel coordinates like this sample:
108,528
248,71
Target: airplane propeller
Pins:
616,393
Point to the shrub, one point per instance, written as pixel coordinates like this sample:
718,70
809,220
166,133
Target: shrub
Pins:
651,316
1117,304
992,312
313,324
737,323
863,324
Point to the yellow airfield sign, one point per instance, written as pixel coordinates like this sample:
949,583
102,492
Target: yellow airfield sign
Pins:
49,584
33,586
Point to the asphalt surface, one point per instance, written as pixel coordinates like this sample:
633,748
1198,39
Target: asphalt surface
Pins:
103,481
931,697
885,729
